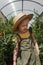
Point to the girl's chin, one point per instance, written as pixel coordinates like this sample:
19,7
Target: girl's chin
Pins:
24,31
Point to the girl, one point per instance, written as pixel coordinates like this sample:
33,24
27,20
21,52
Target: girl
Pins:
26,51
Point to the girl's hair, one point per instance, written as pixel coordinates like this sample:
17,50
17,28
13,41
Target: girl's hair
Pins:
31,35
30,30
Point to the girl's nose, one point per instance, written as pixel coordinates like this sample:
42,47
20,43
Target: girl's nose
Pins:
26,27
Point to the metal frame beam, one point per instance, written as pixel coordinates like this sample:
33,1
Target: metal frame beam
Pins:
21,0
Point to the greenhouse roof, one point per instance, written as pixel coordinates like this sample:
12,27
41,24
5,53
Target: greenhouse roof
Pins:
13,7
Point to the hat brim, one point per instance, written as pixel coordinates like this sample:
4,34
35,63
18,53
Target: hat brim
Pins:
30,16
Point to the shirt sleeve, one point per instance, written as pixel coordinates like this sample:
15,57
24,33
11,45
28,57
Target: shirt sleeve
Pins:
15,40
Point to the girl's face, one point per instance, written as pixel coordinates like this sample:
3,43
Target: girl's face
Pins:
23,27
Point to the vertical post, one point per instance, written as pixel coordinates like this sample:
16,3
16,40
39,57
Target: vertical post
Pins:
22,5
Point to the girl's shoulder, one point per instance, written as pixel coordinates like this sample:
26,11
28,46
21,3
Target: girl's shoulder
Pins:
15,37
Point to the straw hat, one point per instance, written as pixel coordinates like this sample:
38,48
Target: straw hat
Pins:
19,18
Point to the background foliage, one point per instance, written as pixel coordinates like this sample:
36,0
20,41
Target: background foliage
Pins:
37,27
6,33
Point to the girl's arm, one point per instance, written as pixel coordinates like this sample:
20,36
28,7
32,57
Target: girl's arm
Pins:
15,52
37,48
36,45
33,40
15,55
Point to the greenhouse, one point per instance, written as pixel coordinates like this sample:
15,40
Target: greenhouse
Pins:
9,9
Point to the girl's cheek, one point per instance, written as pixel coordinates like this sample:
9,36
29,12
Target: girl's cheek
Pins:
21,28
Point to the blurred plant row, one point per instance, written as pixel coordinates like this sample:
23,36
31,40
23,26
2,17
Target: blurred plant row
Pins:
6,31
38,33
6,46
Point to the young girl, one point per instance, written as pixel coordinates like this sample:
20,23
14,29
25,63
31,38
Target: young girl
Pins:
26,51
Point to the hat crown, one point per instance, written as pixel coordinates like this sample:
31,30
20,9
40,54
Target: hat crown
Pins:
18,17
